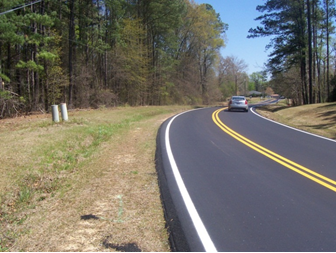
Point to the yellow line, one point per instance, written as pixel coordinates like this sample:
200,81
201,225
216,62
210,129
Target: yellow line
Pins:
278,158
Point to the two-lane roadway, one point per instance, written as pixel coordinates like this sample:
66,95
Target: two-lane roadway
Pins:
233,181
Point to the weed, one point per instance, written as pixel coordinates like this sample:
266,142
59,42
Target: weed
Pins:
41,198
45,124
25,195
22,220
3,248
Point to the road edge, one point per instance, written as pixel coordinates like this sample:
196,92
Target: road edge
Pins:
176,235
253,110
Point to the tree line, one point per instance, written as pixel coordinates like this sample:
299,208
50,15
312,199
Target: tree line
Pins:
91,53
303,58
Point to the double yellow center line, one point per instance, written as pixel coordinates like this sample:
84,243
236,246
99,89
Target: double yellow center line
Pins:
316,177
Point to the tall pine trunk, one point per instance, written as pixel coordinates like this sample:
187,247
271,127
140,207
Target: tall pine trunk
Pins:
310,54
71,50
328,53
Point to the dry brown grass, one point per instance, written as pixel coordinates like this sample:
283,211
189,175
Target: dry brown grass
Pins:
255,100
319,119
67,188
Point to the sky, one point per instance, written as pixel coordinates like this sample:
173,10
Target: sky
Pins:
240,15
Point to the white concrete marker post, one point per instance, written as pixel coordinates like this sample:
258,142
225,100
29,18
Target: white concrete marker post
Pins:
64,112
55,113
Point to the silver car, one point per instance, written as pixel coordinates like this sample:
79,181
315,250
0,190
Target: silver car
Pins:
238,102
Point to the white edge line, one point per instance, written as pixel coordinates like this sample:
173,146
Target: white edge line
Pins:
199,226
319,136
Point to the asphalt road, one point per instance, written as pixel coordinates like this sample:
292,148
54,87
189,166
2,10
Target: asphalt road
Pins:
270,188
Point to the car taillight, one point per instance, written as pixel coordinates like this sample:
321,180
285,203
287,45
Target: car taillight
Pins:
230,102
245,102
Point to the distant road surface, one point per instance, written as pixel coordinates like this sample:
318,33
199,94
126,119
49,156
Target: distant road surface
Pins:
234,181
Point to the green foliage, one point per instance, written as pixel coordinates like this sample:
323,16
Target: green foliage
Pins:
259,79
25,195
228,89
44,20
300,39
47,56
8,29
129,48
251,86
4,78
5,95
30,65
3,248
286,22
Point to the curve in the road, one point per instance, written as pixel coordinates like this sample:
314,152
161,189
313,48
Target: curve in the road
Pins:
316,177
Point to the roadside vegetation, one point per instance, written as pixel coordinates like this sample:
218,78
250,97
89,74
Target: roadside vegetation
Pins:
88,184
116,53
113,53
319,119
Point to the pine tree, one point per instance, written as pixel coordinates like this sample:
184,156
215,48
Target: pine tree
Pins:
286,22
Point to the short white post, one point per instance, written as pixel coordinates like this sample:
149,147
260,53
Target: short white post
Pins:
55,113
64,112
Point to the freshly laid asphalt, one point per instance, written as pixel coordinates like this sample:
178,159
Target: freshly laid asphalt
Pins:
246,201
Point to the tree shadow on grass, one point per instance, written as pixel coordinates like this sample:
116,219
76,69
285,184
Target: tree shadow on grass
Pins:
319,126
329,115
280,108
128,247
328,106
89,217
270,108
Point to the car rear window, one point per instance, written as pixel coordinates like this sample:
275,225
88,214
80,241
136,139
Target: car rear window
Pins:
238,98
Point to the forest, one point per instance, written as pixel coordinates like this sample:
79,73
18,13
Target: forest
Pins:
103,53
302,62
92,53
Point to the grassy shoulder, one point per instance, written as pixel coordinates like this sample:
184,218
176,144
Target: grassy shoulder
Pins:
88,184
319,119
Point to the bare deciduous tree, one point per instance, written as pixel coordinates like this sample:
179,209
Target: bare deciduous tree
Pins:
232,70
